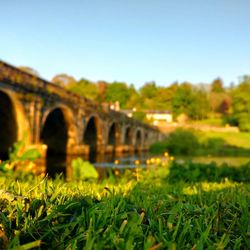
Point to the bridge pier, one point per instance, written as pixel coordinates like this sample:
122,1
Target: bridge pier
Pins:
81,149
142,148
124,149
109,149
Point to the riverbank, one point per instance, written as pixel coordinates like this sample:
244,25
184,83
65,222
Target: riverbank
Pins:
198,143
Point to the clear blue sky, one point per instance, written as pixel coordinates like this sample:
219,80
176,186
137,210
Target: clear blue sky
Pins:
129,40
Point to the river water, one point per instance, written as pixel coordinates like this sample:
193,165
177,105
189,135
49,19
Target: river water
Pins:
219,160
56,164
103,162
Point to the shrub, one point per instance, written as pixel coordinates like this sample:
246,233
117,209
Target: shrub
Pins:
214,145
158,147
83,170
244,122
182,142
179,142
139,115
232,120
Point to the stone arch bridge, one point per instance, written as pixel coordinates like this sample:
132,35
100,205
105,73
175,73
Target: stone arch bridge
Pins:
57,121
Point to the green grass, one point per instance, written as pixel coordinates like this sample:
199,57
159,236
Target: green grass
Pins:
241,139
179,206
196,143
210,121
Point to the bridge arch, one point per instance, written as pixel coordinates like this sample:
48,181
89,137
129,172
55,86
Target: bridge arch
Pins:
92,134
145,137
114,134
138,139
58,133
13,123
128,135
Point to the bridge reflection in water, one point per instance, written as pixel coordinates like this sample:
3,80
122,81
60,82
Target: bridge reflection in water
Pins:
60,164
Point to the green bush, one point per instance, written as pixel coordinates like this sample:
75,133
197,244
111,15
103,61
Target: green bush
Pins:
244,122
191,172
139,115
182,142
179,142
214,145
83,170
232,120
241,120
158,147
18,154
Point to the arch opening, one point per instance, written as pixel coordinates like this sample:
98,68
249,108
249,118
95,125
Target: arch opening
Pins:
112,135
138,140
146,137
55,136
128,136
8,125
90,138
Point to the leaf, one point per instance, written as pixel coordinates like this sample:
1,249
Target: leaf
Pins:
30,154
83,170
30,245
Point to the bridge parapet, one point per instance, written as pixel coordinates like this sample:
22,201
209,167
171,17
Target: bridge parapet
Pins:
38,86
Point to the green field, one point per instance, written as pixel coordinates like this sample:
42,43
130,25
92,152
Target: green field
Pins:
209,121
183,142
169,206
240,139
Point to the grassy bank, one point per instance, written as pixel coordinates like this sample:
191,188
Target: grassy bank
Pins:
240,139
196,143
178,206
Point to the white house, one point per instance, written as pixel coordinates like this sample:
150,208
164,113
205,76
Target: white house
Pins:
159,117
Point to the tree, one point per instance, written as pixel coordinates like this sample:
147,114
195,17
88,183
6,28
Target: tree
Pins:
85,88
164,97
199,106
182,99
217,86
148,90
219,99
190,101
149,94
134,100
225,105
118,91
220,103
139,115
63,80
241,104
244,79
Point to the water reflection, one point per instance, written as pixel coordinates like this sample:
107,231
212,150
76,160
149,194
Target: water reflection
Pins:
61,164
56,164
219,160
